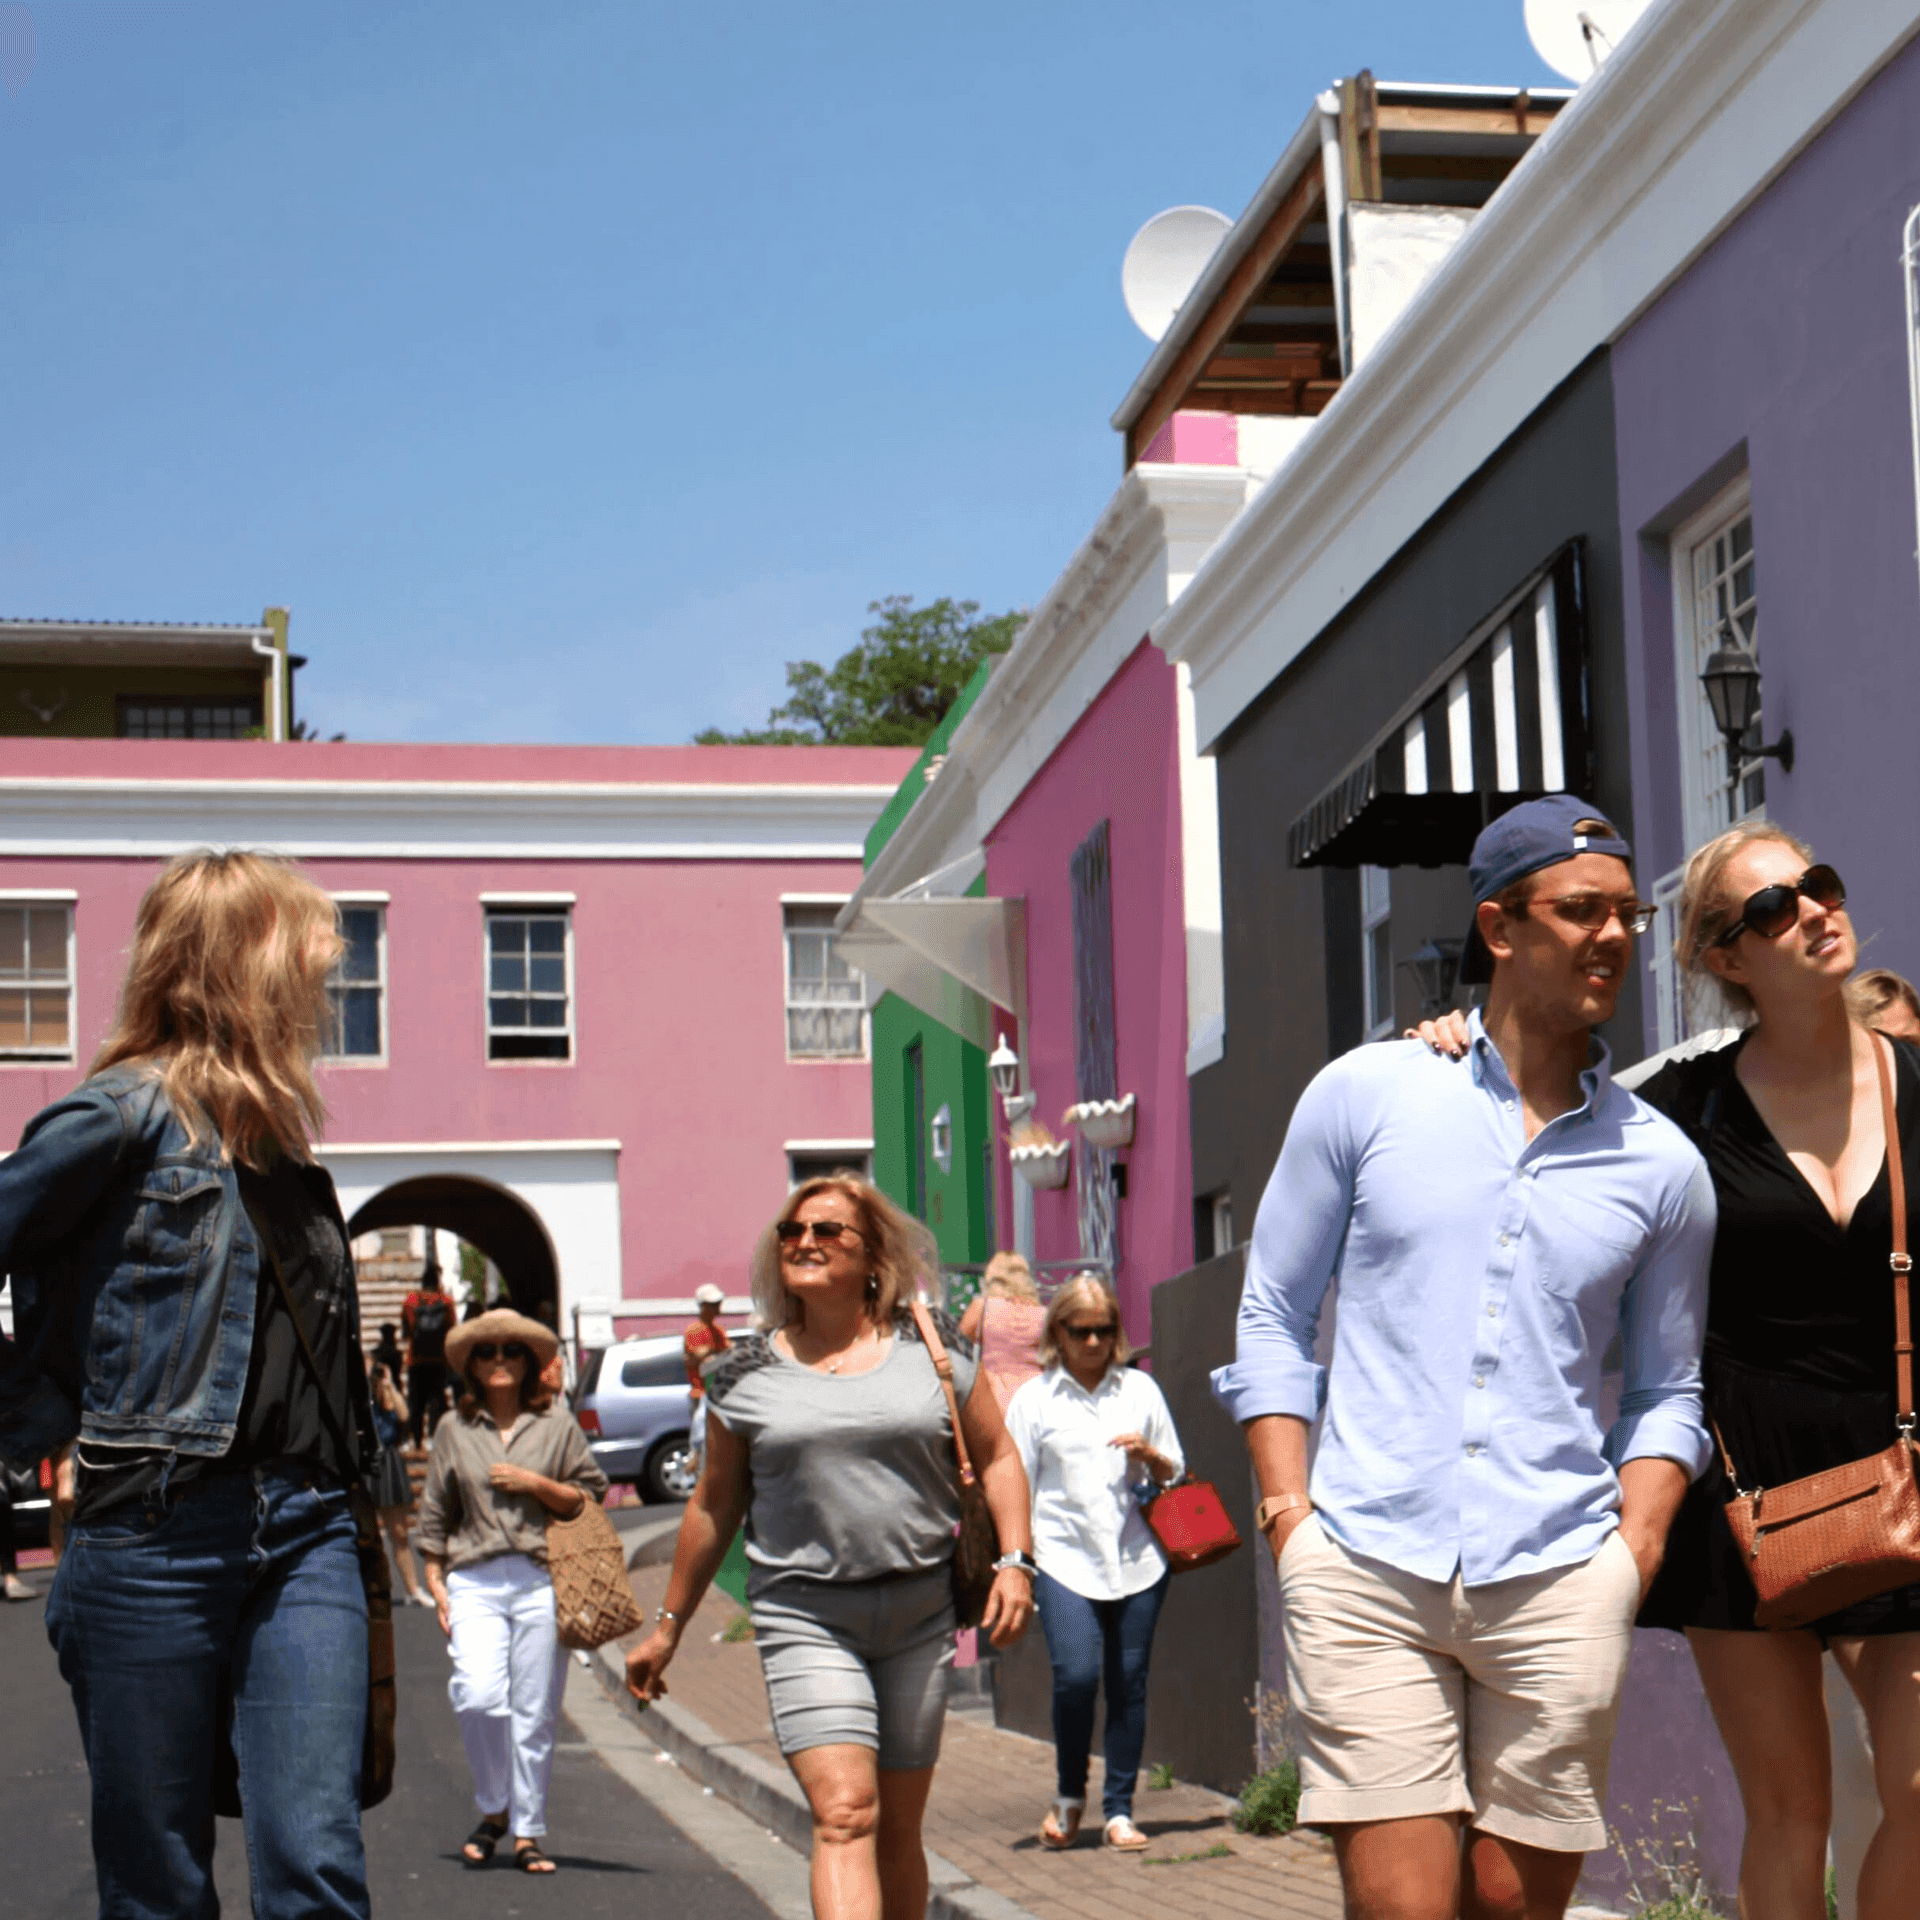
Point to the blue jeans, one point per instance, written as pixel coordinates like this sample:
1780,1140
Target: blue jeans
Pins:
233,1604
1086,1641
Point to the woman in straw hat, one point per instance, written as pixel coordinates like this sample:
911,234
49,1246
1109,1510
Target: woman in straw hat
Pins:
830,1435
505,1461
210,1596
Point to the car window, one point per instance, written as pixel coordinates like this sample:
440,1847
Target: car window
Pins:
657,1370
590,1373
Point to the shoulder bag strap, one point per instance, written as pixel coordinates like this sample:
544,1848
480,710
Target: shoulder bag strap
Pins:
1900,1260
943,1366
349,1453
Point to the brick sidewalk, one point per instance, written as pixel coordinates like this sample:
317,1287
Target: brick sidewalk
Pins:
990,1790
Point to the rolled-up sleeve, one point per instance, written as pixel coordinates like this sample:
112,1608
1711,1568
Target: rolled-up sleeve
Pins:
1297,1237
1662,1323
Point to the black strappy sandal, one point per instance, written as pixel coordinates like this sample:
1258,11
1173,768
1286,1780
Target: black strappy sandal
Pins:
485,1837
529,1858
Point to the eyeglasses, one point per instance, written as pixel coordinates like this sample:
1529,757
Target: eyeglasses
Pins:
1104,1331
1772,910
1591,911
829,1233
488,1350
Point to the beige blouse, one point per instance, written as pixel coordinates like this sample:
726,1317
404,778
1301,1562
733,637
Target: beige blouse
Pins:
464,1519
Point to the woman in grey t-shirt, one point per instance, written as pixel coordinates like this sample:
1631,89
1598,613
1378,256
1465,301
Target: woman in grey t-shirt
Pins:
830,1434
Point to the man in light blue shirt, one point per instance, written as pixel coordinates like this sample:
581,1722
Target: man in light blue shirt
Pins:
1461,1576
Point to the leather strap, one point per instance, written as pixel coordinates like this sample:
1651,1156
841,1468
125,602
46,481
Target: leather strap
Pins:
1899,1260
943,1366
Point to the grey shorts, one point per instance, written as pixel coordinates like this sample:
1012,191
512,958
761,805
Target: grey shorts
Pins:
862,1664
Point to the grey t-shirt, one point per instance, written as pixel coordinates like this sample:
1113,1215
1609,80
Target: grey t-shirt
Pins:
854,1475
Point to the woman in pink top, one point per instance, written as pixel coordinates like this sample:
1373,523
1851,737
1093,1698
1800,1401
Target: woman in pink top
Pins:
1006,1321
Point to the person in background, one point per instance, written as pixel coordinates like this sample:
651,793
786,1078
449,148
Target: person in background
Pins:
427,1315
1094,1434
705,1340
830,1434
156,1222
386,1353
391,1486
10,1582
1881,998
1004,1321
501,1464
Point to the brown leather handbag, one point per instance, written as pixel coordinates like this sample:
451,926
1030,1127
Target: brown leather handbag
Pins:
1834,1538
976,1541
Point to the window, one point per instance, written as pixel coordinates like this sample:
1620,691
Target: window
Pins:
529,984
1212,1225
826,998
357,987
36,980
1715,600
173,717
1376,952
814,1163
396,1243
655,1370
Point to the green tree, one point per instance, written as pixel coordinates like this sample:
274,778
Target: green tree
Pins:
891,690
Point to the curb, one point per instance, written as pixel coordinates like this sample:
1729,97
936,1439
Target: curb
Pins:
772,1796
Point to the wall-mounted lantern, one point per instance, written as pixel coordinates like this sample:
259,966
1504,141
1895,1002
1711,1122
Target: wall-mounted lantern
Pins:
1435,967
1731,678
1003,1069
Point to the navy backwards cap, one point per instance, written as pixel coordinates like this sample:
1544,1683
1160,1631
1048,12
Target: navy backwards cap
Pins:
1535,834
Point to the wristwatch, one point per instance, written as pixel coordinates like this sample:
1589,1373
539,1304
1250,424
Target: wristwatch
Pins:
1270,1509
1023,1561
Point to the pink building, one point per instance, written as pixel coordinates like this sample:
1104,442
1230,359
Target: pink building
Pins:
590,1019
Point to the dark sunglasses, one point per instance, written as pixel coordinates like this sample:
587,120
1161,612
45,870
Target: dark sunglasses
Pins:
1104,1331
1772,910
1591,911
511,1350
829,1233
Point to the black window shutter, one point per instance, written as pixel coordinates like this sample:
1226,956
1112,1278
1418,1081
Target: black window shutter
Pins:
1095,1068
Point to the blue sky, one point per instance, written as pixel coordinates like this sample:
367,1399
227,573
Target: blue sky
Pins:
568,367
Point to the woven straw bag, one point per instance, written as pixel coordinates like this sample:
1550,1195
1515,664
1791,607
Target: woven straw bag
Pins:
592,1598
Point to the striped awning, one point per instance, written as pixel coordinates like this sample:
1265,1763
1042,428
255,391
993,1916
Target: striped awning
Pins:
1505,719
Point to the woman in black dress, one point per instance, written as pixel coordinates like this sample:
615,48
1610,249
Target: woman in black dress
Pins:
1799,1363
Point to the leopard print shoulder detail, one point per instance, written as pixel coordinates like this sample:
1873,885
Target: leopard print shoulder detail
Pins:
748,1354
944,1324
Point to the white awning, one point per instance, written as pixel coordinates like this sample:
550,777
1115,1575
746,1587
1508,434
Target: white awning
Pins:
953,959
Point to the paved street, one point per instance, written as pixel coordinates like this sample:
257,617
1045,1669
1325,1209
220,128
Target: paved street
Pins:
617,1854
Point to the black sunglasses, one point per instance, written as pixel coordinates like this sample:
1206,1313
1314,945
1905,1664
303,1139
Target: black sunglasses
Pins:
828,1232
1772,910
1104,1331
511,1350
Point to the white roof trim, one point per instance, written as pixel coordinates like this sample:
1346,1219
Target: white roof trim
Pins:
334,1150
1703,104
826,1146
523,899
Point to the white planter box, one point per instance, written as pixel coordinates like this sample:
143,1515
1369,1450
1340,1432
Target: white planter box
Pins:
1044,1167
1104,1123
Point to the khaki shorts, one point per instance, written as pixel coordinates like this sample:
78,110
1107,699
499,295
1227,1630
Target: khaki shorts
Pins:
1415,1697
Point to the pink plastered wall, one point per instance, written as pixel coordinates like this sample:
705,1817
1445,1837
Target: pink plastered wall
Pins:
1120,764
1196,440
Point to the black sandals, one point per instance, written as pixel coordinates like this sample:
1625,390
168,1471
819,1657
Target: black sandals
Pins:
482,1840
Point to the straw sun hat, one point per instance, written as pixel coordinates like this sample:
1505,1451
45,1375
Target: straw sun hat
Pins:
501,1323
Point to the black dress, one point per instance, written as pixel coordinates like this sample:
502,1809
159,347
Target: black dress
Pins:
1798,1366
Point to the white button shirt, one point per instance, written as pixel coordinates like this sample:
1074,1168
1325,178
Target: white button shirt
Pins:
1088,1530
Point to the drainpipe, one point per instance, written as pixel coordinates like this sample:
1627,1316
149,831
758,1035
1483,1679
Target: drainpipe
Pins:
1910,257
1334,177
266,645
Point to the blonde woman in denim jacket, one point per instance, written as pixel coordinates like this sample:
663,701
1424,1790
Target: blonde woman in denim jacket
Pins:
210,1593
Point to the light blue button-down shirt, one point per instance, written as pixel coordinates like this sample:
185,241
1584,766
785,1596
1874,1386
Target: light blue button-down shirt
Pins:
1483,1279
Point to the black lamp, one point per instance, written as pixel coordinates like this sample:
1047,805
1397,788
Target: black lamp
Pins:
1435,968
1732,680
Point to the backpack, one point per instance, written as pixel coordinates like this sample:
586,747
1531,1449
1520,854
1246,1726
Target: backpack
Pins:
432,1316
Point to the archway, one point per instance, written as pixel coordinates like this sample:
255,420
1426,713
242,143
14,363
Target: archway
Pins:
500,1224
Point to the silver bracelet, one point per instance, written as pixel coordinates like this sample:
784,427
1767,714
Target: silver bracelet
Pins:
1016,1560
661,1614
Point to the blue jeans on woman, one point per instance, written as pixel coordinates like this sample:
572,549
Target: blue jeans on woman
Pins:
1088,1640
231,1605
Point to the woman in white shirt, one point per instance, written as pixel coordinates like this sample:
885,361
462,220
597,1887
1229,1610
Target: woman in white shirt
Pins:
1090,1430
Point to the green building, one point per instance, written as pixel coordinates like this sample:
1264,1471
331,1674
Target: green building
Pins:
933,1141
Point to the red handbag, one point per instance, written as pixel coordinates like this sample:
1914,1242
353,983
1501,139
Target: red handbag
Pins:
1190,1522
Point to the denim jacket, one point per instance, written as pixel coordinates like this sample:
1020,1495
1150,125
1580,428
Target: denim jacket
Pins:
134,1269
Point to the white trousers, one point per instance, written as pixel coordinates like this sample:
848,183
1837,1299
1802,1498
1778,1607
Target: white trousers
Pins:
509,1671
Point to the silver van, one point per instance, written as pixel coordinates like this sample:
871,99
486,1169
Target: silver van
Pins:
634,1408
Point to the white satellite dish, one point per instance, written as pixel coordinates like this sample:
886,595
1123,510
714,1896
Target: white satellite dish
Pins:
1163,261
1574,36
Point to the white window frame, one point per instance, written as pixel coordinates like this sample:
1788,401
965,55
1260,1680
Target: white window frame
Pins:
23,899
525,907
1703,756
789,1005
1375,914
832,1155
375,903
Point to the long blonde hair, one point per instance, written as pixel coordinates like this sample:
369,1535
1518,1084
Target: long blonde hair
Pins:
1083,1290
225,999
901,1254
1706,913
1008,1277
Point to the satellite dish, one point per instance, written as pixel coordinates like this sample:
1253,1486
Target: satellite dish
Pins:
1163,261
1574,36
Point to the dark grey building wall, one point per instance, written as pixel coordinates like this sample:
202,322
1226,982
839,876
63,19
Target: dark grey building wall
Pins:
1288,995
